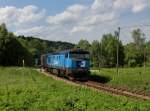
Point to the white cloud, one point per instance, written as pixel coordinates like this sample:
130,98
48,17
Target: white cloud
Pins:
119,4
34,31
18,16
77,8
138,6
77,29
71,14
44,32
74,22
62,18
30,14
82,18
101,6
98,19
135,5
97,4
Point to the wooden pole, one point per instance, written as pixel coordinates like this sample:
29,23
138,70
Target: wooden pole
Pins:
118,38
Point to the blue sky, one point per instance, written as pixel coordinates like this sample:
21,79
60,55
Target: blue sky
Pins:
72,20
52,6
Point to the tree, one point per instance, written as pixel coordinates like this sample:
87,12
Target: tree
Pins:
109,49
139,40
3,30
95,53
147,53
83,44
135,52
133,57
11,51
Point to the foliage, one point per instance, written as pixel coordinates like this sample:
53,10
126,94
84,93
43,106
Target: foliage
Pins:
104,53
23,89
135,51
139,40
11,51
14,49
134,79
83,44
109,51
38,46
147,53
133,57
95,53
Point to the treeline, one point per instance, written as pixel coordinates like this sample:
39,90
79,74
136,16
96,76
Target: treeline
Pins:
104,52
38,46
16,50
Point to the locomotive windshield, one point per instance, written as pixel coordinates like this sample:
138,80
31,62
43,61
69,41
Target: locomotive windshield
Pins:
80,55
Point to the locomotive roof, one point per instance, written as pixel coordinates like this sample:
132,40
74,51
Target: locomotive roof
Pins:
69,51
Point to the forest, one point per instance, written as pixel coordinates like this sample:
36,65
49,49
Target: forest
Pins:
15,49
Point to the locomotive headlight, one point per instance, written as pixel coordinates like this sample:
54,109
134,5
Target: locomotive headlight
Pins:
82,64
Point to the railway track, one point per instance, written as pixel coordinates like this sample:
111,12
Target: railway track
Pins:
103,87
117,91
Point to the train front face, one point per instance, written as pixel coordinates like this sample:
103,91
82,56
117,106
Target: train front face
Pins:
79,64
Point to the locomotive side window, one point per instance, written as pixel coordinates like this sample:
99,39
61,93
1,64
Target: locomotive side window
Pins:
66,55
49,59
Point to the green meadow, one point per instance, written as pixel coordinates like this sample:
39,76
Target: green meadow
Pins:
134,79
25,89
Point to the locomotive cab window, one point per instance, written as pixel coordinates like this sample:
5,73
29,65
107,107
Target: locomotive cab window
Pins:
80,55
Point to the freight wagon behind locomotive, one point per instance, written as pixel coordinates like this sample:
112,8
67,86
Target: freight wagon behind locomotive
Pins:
73,63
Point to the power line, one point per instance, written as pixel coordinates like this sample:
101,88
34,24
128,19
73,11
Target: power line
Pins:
133,26
136,26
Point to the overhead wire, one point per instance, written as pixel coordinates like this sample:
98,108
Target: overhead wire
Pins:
134,26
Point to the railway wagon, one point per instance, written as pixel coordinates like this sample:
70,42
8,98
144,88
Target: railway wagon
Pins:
73,63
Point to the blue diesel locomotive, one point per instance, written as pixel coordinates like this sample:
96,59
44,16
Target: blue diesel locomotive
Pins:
73,63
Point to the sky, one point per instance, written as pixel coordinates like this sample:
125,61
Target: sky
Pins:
73,20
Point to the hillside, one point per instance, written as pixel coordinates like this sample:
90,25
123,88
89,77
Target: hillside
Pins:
39,46
16,49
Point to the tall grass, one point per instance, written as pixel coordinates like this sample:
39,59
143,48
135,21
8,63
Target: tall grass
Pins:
25,89
136,79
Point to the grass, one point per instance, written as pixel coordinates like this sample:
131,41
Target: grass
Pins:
25,89
135,79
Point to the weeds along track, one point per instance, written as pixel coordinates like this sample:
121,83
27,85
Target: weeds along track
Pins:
116,91
102,87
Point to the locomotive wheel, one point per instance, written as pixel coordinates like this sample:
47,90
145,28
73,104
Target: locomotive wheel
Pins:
70,78
58,72
54,71
62,73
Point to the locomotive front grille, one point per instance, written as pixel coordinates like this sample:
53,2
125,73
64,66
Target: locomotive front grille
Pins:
80,64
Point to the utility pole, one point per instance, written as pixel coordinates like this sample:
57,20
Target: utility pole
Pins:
144,58
23,62
144,49
99,65
117,33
